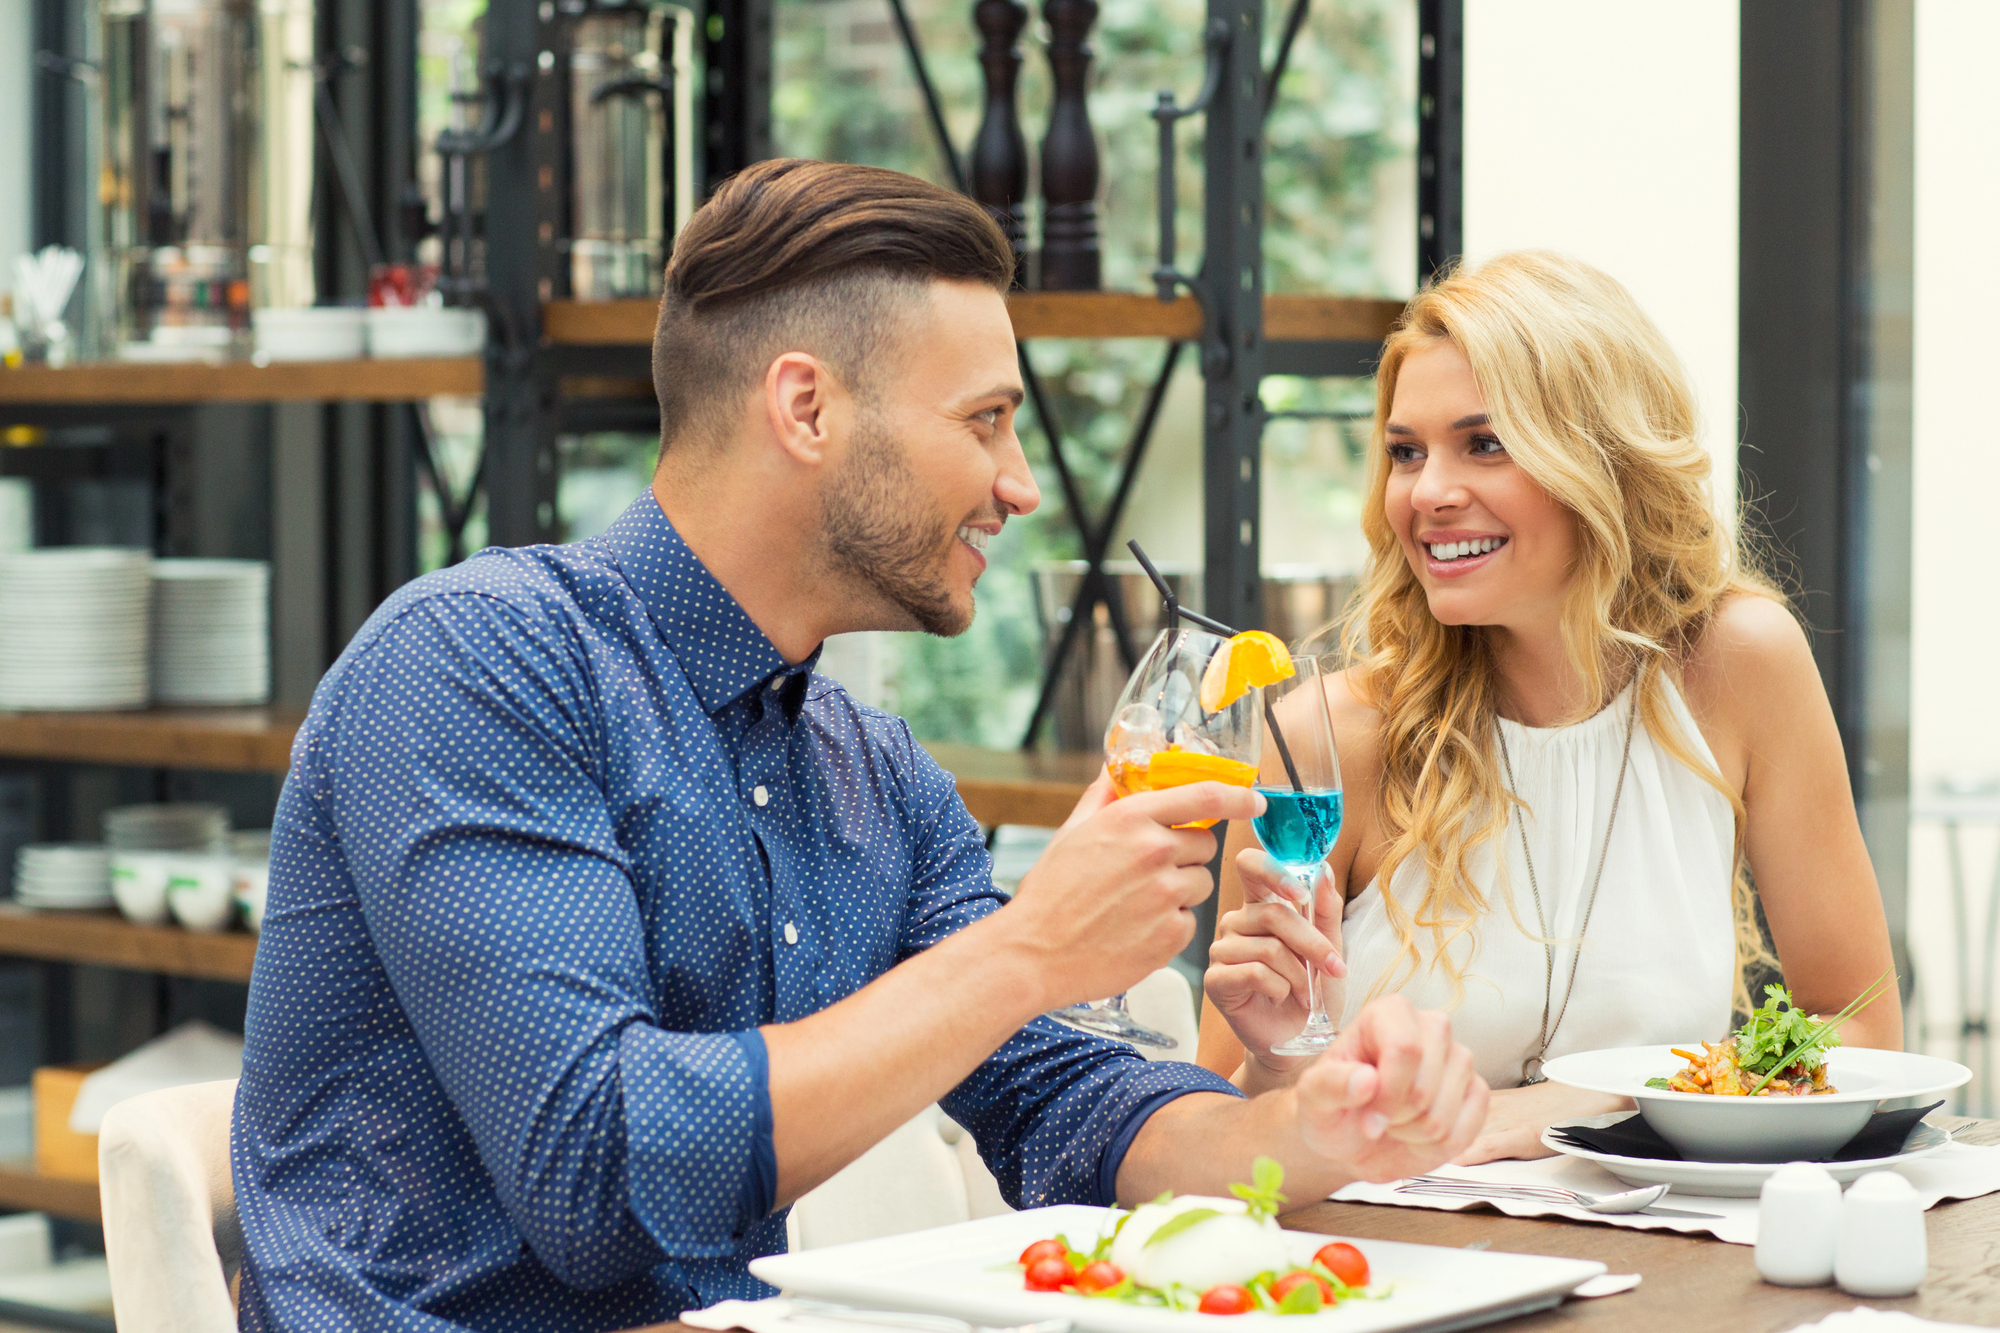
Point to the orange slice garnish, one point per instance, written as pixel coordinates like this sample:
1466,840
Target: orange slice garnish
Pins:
1252,659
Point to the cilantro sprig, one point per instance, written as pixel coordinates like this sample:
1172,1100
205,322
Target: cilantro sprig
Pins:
1815,1043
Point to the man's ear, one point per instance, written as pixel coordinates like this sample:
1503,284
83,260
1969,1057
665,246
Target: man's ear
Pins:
799,393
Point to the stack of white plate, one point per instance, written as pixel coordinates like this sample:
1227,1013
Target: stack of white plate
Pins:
181,827
73,627
211,631
72,876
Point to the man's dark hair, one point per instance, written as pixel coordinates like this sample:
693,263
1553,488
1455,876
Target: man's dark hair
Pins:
819,257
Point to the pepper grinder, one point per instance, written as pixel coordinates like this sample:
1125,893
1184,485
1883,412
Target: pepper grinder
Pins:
1798,1225
1882,1250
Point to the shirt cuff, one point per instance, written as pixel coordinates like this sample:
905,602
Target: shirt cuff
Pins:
1121,1142
760,1182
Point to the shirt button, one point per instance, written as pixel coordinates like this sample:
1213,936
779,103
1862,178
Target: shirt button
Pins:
777,683
760,795
791,933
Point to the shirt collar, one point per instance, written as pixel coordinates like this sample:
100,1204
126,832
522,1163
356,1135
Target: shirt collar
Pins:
723,652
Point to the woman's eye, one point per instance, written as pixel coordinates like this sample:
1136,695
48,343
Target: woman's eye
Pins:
1487,445
1403,453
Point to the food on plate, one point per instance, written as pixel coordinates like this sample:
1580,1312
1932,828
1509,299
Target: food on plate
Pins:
1197,1253
1779,1052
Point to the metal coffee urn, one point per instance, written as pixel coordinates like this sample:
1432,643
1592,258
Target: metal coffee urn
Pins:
205,178
631,164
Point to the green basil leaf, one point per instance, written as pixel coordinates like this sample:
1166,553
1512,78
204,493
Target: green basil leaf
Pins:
1173,1226
1302,1299
1659,1083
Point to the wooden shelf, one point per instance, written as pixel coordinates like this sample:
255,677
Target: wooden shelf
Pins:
358,381
1040,315
105,939
1018,786
226,740
21,1190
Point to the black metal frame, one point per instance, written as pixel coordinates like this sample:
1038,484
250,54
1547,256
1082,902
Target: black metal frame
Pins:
1440,134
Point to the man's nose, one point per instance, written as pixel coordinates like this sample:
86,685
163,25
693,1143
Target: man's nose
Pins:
1014,487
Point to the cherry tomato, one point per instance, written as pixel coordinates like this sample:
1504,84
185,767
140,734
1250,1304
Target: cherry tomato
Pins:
1099,1276
1050,1275
1044,1249
1226,1299
1344,1262
1283,1286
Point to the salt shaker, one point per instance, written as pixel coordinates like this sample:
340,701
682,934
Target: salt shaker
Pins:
1798,1225
1882,1251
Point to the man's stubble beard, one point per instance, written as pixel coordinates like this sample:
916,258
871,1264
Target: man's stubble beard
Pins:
873,531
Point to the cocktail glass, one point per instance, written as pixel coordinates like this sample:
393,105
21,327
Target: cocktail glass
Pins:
1300,783
1161,735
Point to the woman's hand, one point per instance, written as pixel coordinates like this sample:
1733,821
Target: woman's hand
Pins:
1516,1117
1393,1096
1256,976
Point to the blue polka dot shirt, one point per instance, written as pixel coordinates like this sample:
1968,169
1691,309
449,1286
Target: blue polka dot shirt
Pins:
562,829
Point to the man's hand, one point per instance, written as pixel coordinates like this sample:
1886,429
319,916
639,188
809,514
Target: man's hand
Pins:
1395,1096
1111,898
1256,974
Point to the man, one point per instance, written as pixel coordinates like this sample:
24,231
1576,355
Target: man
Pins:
600,929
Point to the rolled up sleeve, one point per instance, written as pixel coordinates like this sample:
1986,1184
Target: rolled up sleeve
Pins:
502,906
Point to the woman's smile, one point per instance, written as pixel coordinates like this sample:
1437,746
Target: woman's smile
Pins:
1451,553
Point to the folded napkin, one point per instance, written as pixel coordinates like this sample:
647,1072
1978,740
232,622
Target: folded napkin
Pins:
1956,1171
1883,1136
1867,1319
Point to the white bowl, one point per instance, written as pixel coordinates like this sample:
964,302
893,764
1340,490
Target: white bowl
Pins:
139,885
425,330
1705,1128
320,333
201,892
252,883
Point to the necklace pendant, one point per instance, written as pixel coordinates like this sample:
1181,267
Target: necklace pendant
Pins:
1531,1071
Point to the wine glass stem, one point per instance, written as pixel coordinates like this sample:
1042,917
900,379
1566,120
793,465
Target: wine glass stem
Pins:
1316,1018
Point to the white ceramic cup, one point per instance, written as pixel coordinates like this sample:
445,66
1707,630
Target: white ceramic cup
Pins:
252,879
1798,1225
199,890
1882,1250
139,885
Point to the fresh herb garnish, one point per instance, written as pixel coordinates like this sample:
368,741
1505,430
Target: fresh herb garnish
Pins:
1660,1083
1266,1176
1809,1049
1178,1223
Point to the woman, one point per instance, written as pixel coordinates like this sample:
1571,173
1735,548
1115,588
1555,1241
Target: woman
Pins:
1574,714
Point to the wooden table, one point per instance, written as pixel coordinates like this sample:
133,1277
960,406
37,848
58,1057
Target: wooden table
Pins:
1691,1282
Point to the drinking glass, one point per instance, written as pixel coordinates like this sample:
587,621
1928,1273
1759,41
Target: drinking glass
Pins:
1300,783
1161,736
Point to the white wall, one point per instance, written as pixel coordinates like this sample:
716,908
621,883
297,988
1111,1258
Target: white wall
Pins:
17,73
1955,610
1608,131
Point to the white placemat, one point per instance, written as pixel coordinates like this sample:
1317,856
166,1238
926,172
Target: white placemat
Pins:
1958,1171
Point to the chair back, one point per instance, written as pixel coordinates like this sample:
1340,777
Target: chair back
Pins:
171,1235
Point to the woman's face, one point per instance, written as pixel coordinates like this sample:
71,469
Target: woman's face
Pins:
1489,546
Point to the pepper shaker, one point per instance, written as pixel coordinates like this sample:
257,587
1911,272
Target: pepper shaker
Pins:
1798,1225
1882,1249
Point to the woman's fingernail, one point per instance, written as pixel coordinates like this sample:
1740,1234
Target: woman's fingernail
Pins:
1332,964
1374,1124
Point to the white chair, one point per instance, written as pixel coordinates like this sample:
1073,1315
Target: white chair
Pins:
170,1229
929,1174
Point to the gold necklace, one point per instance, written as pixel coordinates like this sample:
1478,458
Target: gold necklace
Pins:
1531,1068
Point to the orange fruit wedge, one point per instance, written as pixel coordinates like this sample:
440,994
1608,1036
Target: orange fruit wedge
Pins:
1178,768
1252,659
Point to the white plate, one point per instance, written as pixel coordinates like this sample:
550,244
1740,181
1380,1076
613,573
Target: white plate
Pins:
1760,1129
1727,1180
967,1271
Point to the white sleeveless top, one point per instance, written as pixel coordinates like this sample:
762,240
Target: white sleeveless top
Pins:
1658,961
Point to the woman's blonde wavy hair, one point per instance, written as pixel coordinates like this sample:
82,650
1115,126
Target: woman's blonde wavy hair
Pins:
1594,406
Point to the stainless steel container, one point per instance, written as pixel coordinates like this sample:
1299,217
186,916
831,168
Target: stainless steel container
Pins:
206,170
1299,602
630,163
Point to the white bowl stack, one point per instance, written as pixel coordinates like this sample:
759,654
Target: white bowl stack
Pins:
69,876
211,631
185,826
73,627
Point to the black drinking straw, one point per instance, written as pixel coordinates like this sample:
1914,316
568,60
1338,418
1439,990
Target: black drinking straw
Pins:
1174,612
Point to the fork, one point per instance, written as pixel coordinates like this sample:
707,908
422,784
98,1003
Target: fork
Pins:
1626,1201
